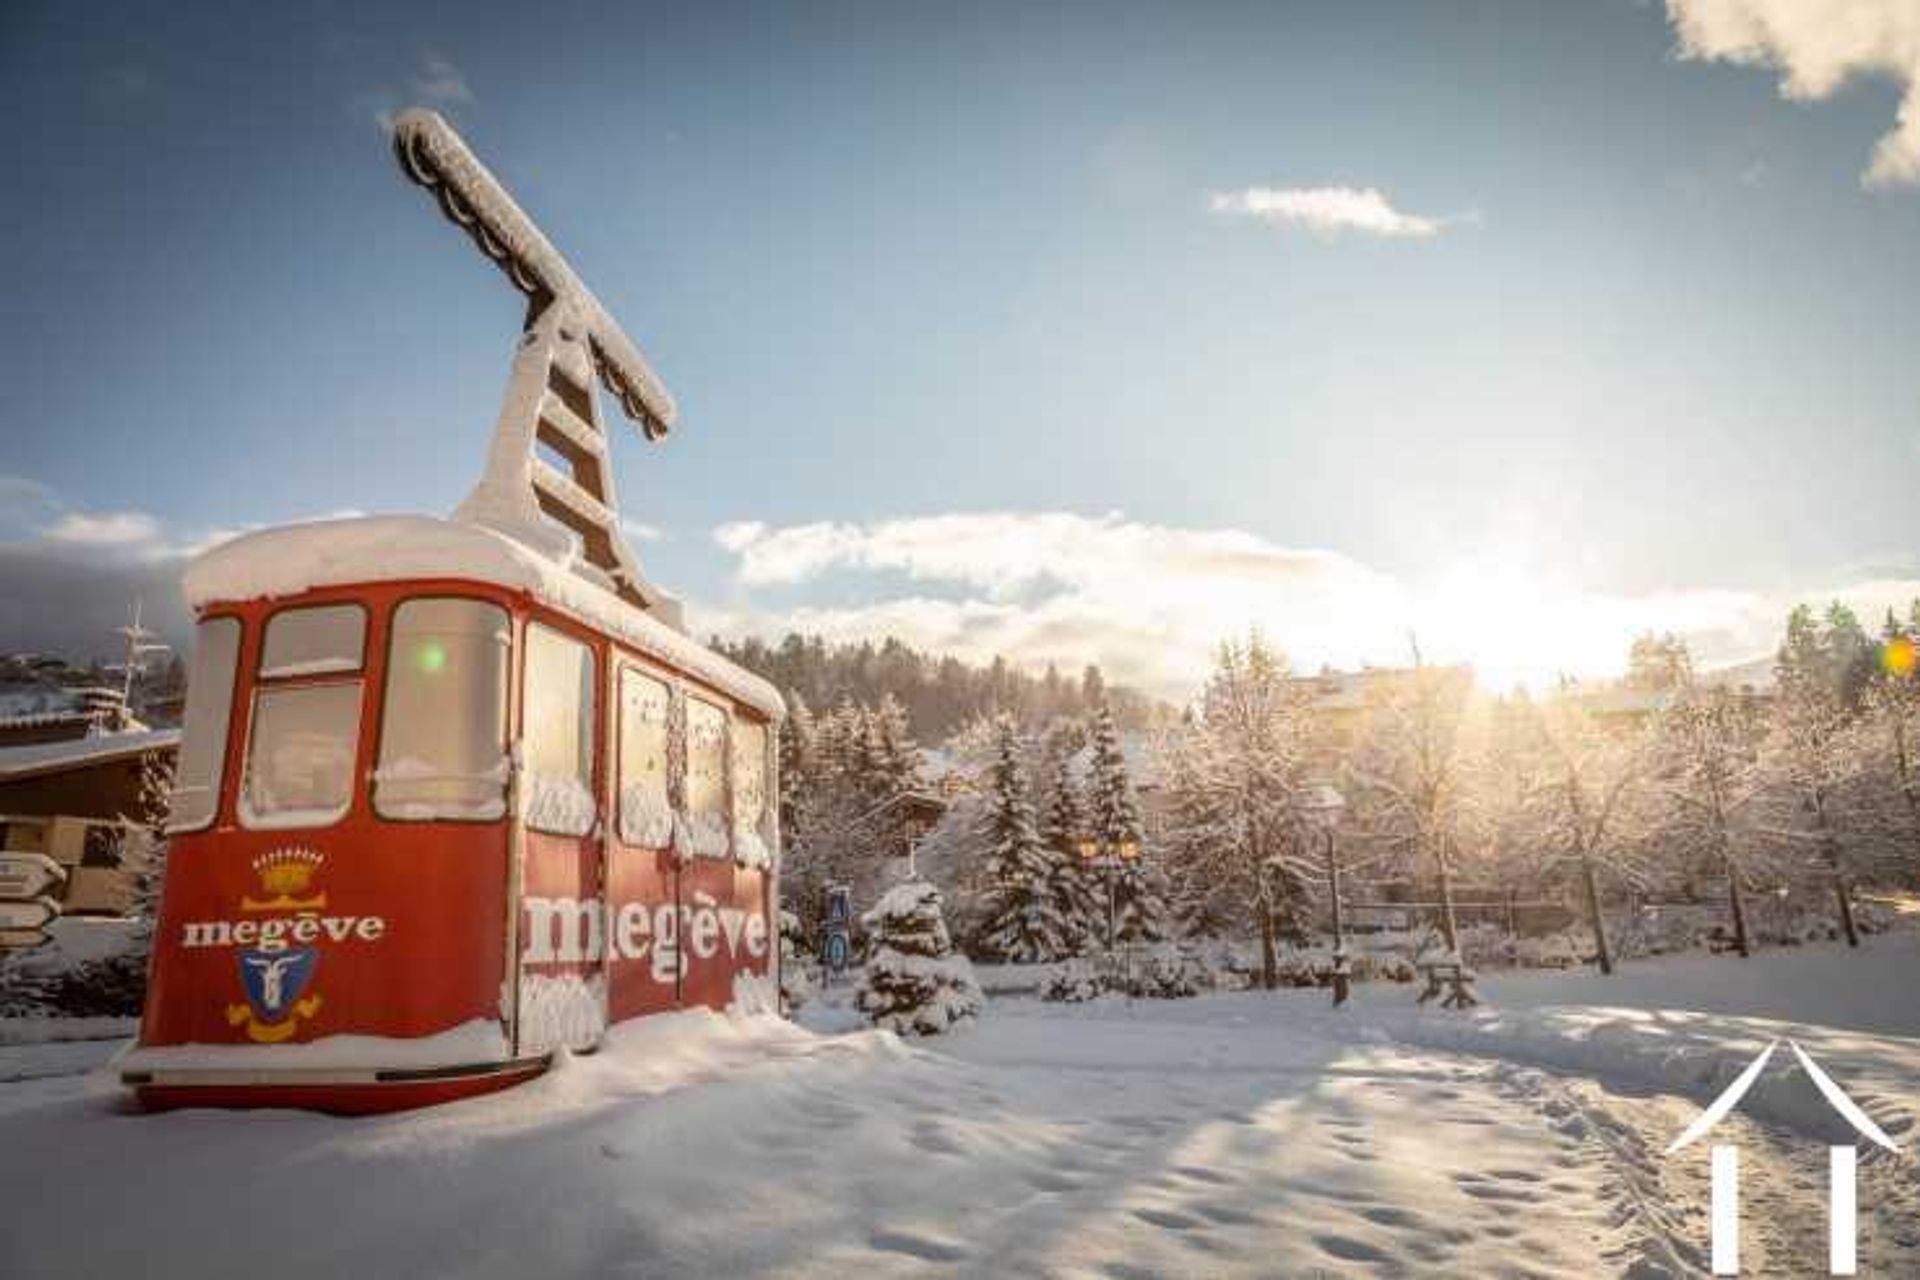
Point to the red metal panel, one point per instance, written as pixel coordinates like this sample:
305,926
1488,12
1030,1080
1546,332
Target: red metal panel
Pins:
723,928
388,929
642,932
402,926
348,1099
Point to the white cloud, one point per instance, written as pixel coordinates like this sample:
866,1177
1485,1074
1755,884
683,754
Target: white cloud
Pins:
1326,210
1819,46
1151,603
69,576
641,531
435,82
113,528
438,80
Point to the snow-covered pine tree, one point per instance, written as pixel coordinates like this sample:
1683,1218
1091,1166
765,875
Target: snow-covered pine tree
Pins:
1022,922
799,751
896,756
1080,901
915,983
839,736
1202,903
1113,819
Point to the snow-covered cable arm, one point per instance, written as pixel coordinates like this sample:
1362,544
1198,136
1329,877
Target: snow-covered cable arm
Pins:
434,156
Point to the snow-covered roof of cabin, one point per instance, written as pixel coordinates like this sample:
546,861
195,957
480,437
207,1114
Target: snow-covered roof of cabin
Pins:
294,558
39,704
42,757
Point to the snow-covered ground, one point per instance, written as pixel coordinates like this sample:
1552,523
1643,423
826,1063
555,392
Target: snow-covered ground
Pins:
1233,1134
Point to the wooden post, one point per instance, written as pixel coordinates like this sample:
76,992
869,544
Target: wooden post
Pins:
1831,848
1340,980
1449,927
1599,919
1844,892
1737,900
1513,914
1269,962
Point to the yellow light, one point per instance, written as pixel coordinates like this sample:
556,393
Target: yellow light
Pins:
1899,656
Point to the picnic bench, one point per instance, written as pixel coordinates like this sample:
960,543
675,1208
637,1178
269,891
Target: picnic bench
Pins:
1449,981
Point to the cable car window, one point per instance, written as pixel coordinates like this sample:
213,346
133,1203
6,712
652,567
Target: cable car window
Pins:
559,733
646,813
750,794
203,742
443,724
300,755
323,640
706,833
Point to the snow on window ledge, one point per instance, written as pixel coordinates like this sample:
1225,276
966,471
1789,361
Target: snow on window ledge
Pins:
311,667
485,799
558,805
749,850
701,835
646,819
288,819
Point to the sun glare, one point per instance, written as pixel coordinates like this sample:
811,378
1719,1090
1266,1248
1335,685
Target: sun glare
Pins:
1518,625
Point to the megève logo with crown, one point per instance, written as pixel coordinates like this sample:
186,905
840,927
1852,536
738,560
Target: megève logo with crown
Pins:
286,875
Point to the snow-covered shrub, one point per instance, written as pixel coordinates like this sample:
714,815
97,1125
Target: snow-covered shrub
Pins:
88,969
1172,974
915,983
1555,951
796,978
1074,982
1374,966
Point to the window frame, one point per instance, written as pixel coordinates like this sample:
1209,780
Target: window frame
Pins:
259,684
736,723
259,676
622,663
252,821
596,719
691,695
514,648
217,785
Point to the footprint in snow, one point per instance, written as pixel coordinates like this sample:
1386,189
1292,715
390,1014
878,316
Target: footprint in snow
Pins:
1048,1180
1227,1215
925,1248
1351,1250
1168,1219
930,1137
1199,1174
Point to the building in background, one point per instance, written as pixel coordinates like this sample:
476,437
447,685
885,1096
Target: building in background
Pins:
74,800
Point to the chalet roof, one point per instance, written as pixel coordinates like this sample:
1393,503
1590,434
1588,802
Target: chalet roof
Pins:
75,753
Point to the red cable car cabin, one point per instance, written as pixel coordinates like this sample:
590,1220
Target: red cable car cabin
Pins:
444,806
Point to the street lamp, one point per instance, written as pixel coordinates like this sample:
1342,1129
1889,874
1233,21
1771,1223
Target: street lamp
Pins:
1323,806
1110,856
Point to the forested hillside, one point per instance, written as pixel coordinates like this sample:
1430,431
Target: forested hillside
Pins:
940,693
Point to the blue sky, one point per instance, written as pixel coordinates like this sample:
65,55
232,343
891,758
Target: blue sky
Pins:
1008,327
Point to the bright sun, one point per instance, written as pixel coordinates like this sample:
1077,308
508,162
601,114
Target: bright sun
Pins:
1518,625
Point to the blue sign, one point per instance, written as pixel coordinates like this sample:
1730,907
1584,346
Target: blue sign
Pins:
275,979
